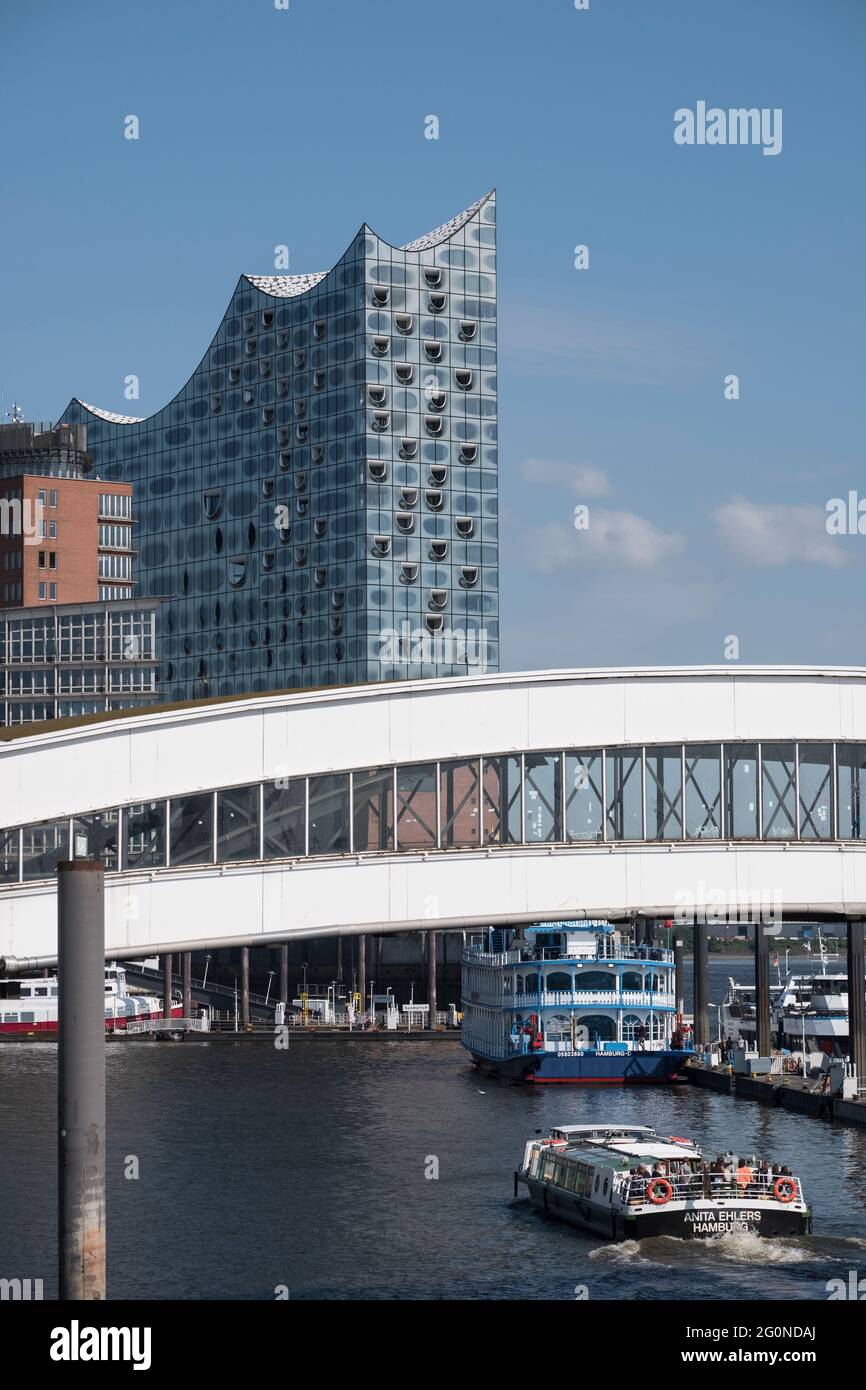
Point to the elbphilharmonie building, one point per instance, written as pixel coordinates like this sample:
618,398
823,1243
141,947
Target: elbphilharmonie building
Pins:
319,501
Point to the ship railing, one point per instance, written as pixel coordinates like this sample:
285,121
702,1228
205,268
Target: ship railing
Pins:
558,997
712,1186
168,1025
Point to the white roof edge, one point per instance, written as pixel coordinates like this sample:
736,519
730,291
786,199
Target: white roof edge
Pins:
110,415
398,690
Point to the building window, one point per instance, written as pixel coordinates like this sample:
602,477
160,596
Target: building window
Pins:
238,824
52,559
583,798
373,809
664,783
52,591
741,791
416,806
329,814
52,530
42,559
285,818
42,591
52,497
191,829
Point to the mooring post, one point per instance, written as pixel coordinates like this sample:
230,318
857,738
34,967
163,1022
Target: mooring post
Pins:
284,972
700,985
362,971
762,988
167,975
245,986
187,984
432,938
857,999
81,1079
680,975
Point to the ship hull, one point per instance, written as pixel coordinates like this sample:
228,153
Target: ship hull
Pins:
48,1028
695,1223
587,1069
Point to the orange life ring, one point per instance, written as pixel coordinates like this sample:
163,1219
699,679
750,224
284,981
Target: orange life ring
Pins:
651,1191
784,1189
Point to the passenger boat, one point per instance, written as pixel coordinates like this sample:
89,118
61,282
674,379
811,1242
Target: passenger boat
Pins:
28,1005
808,1009
627,1183
572,1002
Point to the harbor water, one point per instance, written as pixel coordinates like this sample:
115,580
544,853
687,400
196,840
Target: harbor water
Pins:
383,1170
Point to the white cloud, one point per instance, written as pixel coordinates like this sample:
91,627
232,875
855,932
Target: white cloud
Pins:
619,538
778,534
583,479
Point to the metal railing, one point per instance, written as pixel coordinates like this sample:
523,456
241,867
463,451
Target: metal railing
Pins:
712,1186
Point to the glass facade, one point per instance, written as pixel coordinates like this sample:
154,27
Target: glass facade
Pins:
77,659
320,500
470,803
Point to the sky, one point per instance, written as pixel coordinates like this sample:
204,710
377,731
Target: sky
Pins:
706,531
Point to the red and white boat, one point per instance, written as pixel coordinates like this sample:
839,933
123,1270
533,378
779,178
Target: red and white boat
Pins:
28,1004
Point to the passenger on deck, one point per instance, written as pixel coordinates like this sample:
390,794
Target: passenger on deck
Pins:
744,1174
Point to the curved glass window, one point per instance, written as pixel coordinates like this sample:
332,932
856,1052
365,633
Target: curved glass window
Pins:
542,798
144,835
460,801
664,793
502,817
329,814
741,790
285,818
851,782
238,824
373,809
778,791
703,774
816,791
624,794
416,806
583,797
190,829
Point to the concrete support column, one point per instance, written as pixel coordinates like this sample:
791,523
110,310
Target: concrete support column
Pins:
432,940
762,989
187,984
701,985
857,999
81,1080
245,986
284,972
167,973
362,971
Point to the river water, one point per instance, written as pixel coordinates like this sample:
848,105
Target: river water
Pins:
304,1171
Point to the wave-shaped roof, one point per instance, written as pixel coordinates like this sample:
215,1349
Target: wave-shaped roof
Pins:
289,286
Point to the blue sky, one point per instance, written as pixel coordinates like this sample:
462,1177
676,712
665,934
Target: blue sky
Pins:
261,127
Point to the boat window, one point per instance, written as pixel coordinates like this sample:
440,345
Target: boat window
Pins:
558,979
632,980
597,1181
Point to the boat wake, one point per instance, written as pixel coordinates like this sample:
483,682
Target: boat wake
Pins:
735,1247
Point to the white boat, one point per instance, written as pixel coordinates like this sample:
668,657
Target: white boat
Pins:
627,1182
28,1004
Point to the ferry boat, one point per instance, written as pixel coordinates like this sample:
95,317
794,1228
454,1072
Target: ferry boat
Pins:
572,1002
627,1183
808,1009
28,1004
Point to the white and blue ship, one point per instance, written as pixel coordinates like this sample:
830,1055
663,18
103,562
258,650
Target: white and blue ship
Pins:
579,1002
